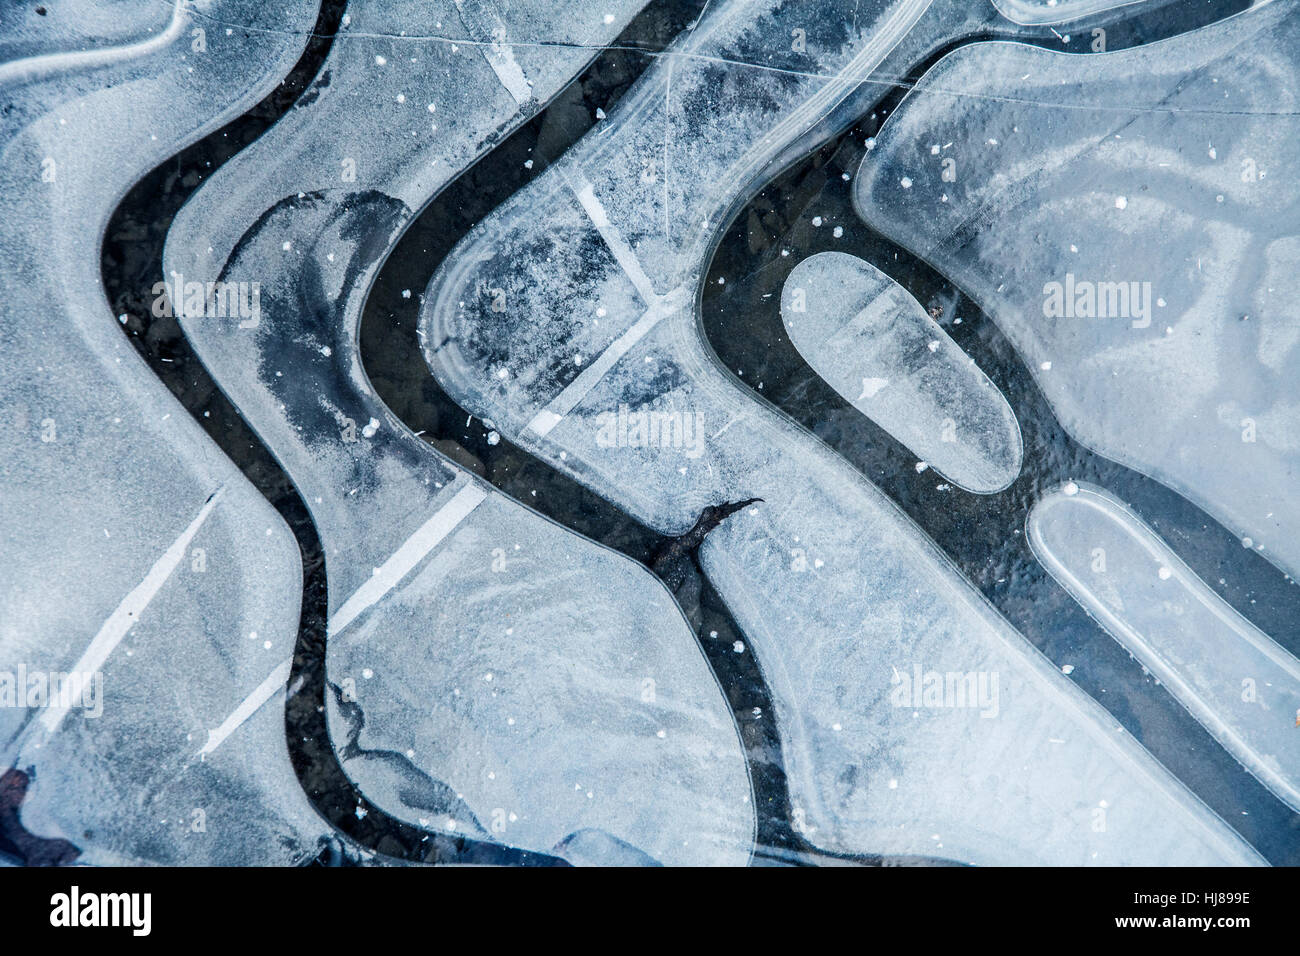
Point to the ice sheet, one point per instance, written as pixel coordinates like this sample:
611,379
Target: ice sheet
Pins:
492,674
131,549
567,318
873,343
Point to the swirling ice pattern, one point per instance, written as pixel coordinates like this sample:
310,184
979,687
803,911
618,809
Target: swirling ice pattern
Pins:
493,679
134,552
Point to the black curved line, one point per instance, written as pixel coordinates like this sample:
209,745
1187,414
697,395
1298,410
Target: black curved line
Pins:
984,534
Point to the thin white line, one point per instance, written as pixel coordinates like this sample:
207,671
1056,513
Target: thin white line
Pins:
127,614
502,60
631,265
406,557
264,691
574,392
498,53
658,307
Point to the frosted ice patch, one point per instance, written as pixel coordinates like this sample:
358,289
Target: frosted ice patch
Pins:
873,343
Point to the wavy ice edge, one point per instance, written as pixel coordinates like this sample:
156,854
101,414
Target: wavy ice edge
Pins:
561,721
126,527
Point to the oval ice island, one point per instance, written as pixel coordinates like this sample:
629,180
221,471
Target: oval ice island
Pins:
874,344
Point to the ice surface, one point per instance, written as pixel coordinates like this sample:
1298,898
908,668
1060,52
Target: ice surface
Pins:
1058,11
492,673
567,318
873,343
130,547
1240,684
84,26
1162,171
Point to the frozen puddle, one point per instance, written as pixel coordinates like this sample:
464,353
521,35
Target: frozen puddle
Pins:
1237,682
913,719
491,674
135,555
873,343
1128,221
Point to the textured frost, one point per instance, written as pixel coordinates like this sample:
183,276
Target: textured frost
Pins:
1162,170
129,545
494,674
1240,684
873,343
566,317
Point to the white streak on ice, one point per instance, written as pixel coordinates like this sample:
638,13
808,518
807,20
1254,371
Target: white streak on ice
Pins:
128,612
660,306
250,705
499,56
411,553
576,390
586,195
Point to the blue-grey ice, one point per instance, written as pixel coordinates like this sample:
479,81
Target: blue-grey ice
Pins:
491,673
134,555
913,719
1059,11
1129,221
1232,677
90,27
873,343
